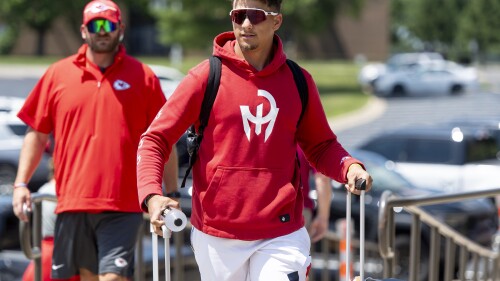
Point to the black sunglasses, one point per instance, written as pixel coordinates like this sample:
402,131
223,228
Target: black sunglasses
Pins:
255,16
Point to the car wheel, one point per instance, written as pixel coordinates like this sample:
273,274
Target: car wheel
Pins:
398,91
457,90
403,243
7,177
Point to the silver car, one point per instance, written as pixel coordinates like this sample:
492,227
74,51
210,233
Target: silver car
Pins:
430,78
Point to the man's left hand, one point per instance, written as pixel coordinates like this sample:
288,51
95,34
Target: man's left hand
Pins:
354,173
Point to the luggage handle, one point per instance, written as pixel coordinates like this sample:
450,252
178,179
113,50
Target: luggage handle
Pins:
359,185
175,220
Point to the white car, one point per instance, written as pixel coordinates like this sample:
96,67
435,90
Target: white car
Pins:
407,59
371,72
169,78
429,78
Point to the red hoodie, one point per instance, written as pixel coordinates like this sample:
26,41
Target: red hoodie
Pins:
246,179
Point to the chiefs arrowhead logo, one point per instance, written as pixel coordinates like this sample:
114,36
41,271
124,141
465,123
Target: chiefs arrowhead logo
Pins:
120,85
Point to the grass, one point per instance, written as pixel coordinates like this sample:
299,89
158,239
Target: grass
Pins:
336,80
337,85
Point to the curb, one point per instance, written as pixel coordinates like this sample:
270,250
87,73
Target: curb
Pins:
19,71
373,109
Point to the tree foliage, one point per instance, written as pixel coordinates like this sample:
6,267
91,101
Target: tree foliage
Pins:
194,23
453,27
39,15
481,24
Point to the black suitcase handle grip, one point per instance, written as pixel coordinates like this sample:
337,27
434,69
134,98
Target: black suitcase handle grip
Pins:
360,184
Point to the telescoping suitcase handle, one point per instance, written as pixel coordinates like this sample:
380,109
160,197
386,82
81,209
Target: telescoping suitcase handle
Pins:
360,185
175,220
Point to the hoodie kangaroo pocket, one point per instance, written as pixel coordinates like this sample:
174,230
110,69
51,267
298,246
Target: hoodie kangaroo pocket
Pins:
239,196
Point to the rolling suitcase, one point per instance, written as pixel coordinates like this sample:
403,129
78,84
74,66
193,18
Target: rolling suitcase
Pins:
360,185
175,220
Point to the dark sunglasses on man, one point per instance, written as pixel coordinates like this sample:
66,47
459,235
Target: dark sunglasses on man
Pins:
95,26
255,16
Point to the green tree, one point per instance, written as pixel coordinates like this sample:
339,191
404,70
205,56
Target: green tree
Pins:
436,23
454,27
481,24
193,23
38,15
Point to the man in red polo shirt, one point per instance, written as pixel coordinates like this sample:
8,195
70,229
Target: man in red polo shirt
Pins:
96,103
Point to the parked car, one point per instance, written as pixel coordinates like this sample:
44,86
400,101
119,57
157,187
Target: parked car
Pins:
429,78
12,131
169,78
443,156
491,124
371,72
476,219
404,60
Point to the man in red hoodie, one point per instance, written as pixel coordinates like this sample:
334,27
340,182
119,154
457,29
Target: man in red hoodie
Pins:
96,103
247,203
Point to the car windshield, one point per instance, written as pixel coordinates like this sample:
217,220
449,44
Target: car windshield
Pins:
430,151
384,178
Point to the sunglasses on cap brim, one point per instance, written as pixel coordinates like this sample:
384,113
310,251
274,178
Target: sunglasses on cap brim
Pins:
255,16
95,26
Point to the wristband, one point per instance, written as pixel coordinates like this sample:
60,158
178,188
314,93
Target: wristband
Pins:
175,194
20,184
147,199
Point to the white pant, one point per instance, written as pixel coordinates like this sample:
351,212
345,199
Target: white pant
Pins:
285,258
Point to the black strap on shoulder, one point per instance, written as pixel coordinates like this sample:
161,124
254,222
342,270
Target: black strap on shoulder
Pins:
301,83
210,92
194,137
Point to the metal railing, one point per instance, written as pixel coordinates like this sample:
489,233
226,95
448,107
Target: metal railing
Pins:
30,234
31,241
439,230
469,250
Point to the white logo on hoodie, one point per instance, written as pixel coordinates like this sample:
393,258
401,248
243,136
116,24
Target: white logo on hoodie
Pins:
259,120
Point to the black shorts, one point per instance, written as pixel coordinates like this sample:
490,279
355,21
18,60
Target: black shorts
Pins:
101,243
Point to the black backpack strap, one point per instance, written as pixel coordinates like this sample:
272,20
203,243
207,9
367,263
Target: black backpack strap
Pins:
194,138
301,83
210,92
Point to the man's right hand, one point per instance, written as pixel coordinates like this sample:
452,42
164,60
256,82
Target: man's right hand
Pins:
156,205
21,196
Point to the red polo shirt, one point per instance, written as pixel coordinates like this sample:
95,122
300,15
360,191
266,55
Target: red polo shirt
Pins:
97,119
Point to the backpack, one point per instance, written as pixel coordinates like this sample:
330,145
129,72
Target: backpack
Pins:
194,138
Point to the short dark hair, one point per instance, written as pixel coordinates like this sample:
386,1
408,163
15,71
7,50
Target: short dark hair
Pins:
276,4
